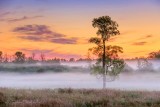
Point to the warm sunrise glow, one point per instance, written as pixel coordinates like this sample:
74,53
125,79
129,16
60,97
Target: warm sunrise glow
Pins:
61,28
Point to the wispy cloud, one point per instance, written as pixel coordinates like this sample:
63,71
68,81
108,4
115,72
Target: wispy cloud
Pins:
126,32
4,14
138,40
42,33
65,40
32,38
149,36
35,30
139,43
36,50
135,52
4,19
145,37
23,18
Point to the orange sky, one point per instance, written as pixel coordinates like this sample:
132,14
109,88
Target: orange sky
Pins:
61,29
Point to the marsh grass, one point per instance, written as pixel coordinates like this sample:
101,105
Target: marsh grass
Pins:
78,98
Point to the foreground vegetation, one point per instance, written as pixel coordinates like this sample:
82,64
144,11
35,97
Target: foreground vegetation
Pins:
78,98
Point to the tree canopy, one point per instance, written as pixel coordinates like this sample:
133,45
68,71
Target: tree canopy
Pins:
155,55
19,57
113,63
106,27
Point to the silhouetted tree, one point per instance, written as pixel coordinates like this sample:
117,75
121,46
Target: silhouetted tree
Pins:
154,55
106,28
6,58
19,57
80,59
71,60
33,56
42,56
31,59
55,60
63,60
1,56
113,64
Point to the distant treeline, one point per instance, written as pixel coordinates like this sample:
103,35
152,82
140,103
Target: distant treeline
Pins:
151,55
20,57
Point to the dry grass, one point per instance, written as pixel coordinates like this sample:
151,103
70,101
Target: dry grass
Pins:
78,98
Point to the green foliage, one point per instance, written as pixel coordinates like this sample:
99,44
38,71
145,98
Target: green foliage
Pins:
114,67
113,63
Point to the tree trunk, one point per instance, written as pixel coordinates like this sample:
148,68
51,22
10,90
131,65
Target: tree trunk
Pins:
104,63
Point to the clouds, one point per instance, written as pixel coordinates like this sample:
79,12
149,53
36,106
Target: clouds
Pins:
65,40
42,33
34,30
4,14
36,50
148,36
145,37
32,38
139,43
17,19
23,18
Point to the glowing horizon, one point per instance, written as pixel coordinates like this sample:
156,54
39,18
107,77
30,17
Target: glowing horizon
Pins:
61,28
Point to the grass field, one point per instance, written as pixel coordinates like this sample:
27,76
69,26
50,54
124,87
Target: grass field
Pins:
78,98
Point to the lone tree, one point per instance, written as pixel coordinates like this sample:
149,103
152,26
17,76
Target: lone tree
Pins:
42,56
19,57
107,55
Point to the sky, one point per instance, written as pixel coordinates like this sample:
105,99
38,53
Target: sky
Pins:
61,28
